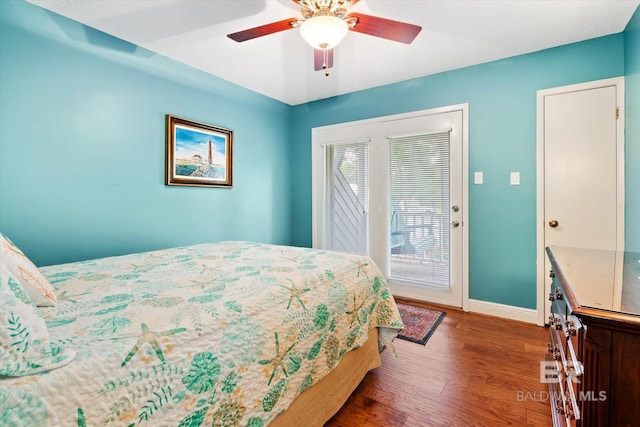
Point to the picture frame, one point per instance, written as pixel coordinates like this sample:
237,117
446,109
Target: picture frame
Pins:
198,154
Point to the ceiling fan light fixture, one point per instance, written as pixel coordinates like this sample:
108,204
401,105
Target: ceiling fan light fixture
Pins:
324,31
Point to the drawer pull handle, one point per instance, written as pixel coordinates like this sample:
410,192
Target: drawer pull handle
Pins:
558,294
555,294
556,353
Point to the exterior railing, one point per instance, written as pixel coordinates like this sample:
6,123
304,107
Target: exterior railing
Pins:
425,232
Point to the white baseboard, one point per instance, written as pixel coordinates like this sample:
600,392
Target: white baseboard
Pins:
527,315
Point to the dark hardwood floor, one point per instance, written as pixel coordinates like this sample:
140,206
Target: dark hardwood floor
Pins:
475,370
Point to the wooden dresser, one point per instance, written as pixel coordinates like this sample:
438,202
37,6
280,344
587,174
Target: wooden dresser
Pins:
594,330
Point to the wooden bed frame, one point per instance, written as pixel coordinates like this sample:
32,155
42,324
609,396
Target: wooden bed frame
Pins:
320,402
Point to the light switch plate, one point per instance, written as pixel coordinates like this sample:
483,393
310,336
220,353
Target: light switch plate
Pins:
515,178
478,178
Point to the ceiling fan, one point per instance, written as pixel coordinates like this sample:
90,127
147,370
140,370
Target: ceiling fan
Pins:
325,23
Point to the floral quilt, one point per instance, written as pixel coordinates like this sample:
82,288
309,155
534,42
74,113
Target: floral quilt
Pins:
220,334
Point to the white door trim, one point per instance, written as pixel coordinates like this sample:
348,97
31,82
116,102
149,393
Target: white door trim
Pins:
343,129
541,275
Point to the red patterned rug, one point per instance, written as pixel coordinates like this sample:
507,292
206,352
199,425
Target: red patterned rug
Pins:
419,322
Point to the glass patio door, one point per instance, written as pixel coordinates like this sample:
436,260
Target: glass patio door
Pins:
392,188
426,212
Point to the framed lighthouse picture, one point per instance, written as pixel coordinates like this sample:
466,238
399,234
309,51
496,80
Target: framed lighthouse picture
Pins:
198,154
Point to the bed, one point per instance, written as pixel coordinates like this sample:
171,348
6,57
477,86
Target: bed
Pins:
222,334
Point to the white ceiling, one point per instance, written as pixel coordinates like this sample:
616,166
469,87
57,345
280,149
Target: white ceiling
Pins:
455,34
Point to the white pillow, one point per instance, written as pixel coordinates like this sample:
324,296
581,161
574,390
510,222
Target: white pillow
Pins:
25,347
27,274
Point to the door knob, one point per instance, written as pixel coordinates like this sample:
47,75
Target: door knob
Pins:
553,223
455,223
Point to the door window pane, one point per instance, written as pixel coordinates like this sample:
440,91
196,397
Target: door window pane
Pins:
420,216
348,197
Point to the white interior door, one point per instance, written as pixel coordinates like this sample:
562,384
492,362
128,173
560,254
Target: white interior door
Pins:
582,200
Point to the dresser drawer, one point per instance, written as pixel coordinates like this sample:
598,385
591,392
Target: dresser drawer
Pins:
598,287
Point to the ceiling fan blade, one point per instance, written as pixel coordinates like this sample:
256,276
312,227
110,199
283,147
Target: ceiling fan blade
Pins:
319,59
385,28
263,30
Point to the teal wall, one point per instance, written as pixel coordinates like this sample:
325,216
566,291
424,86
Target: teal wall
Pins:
632,135
502,138
82,146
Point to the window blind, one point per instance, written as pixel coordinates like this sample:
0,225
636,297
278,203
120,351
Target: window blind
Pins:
419,207
348,197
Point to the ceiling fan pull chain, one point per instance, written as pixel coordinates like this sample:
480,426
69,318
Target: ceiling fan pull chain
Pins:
325,61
